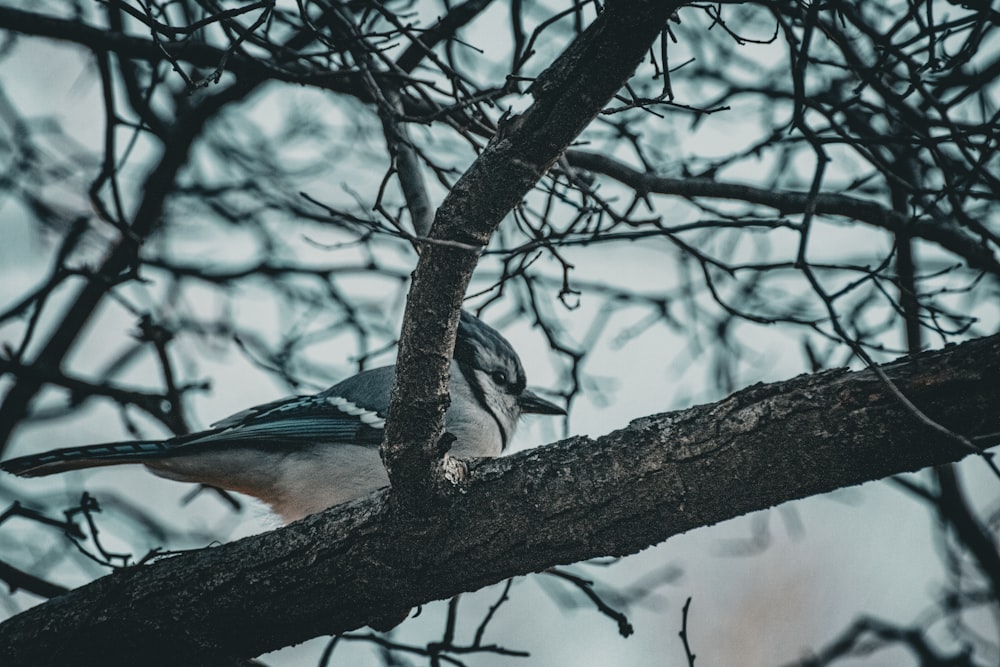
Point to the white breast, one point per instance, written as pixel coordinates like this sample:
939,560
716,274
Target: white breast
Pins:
294,484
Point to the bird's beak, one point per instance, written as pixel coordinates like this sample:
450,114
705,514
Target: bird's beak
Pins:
532,403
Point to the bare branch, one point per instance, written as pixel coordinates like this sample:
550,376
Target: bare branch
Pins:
869,212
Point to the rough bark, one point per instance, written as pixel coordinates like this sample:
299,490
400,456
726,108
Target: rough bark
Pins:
576,499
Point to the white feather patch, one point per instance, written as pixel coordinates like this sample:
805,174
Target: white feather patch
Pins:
349,408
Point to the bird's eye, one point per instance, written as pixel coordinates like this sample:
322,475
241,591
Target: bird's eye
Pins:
499,377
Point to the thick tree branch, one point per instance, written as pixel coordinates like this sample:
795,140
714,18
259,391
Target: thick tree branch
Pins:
568,95
577,499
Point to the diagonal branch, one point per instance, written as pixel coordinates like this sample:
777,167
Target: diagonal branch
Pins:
568,95
577,499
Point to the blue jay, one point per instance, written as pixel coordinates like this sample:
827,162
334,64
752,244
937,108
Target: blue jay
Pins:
303,454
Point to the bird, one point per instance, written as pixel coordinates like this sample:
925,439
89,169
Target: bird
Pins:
303,454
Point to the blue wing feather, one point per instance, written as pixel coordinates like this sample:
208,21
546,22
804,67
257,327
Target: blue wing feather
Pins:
350,412
295,421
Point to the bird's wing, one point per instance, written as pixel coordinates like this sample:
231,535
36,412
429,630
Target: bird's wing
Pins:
320,418
289,423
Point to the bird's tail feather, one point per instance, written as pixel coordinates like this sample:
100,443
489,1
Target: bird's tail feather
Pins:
88,456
